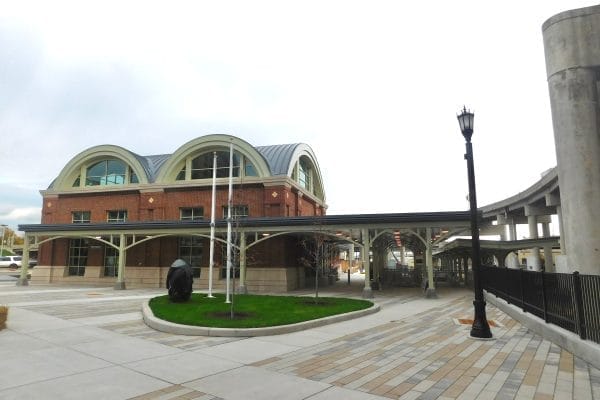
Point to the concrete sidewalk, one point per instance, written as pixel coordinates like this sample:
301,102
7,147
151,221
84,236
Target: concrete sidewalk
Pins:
73,343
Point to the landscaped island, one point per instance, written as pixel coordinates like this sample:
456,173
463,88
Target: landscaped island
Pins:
251,311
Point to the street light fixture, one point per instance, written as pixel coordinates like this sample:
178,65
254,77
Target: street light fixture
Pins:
480,328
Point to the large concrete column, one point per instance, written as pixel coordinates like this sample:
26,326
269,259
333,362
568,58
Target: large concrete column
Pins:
553,200
502,220
533,261
512,228
561,232
549,260
572,66
366,249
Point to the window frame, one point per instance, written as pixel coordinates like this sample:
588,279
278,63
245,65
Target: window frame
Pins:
77,256
81,219
235,214
197,213
242,166
111,254
121,216
194,260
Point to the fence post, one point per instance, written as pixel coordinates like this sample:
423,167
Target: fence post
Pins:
544,297
580,317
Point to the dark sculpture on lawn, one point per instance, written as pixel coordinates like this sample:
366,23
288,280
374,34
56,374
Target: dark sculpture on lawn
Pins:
179,281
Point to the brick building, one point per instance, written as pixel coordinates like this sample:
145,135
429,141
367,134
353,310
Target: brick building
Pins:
166,200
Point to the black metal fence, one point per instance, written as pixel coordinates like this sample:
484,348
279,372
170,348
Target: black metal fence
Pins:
571,301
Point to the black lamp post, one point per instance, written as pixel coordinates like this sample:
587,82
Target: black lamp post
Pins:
480,328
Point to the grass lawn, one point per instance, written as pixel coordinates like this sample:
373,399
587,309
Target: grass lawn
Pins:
251,311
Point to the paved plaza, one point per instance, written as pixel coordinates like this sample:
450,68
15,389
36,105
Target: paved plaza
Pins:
83,342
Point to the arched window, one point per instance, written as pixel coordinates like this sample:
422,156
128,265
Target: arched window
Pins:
307,176
201,167
106,173
304,173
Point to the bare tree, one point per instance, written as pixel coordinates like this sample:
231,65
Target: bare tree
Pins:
319,250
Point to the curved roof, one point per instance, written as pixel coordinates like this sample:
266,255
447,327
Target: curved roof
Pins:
152,164
279,156
202,144
140,165
274,160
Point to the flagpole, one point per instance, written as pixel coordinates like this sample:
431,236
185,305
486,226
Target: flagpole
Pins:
212,226
229,206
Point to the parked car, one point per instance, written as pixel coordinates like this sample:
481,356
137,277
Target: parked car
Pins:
10,261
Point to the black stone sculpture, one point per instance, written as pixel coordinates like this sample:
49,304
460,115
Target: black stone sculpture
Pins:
179,281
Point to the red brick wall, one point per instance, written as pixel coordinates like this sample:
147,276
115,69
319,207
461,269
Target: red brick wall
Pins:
274,201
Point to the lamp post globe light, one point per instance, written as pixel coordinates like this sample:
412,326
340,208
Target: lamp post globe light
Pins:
480,328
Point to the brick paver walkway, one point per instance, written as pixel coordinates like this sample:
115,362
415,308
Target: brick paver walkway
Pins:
430,356
425,355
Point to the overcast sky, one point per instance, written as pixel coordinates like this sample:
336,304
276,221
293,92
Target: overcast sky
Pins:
372,86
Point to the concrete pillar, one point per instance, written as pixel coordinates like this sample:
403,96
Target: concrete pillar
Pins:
512,229
553,200
502,220
533,262
366,248
243,289
23,281
572,67
120,284
549,260
561,230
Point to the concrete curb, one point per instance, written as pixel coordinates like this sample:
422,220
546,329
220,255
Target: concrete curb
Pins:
584,349
170,327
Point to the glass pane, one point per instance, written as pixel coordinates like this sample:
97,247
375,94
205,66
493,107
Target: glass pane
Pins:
115,167
98,169
249,169
181,175
202,165
107,172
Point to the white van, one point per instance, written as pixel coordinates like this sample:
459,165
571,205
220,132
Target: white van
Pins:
10,261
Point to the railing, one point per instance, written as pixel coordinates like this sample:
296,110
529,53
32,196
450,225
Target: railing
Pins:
571,301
